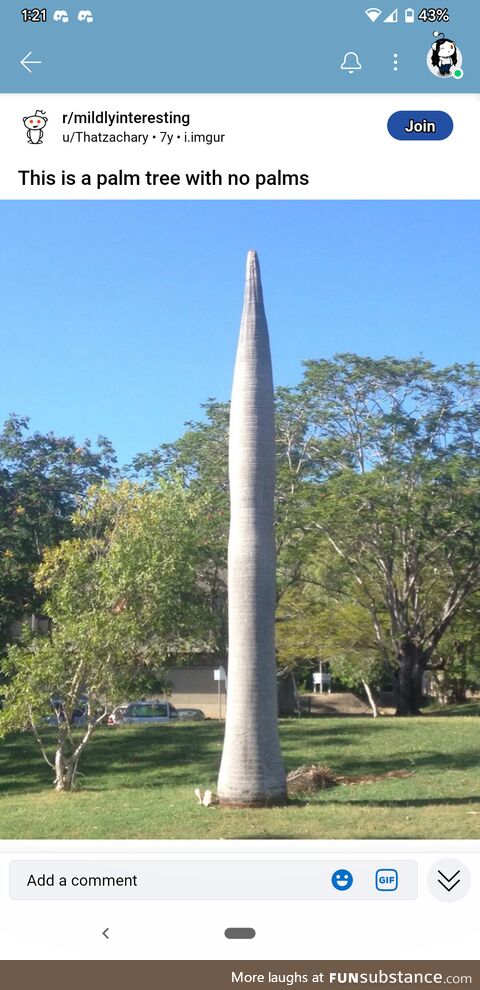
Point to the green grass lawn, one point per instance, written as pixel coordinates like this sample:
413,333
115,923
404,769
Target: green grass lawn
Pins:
138,784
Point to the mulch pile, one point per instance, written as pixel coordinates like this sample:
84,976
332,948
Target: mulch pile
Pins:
318,778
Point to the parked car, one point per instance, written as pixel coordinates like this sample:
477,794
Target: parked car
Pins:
78,717
143,713
190,714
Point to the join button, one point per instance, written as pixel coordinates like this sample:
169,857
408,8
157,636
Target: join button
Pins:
420,125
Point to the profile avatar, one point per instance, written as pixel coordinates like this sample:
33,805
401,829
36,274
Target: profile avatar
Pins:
35,125
444,59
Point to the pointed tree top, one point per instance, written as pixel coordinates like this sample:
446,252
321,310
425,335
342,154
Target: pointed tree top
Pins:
253,271
253,319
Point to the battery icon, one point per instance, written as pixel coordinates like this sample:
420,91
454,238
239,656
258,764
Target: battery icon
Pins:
409,16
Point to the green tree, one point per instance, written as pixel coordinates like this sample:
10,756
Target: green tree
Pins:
392,488
200,459
456,668
41,476
124,597
317,620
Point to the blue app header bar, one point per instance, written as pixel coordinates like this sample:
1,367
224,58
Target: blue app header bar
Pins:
255,46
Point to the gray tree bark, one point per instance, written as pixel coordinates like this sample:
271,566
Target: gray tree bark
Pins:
252,772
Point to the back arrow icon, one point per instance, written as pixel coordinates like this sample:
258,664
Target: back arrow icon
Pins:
105,933
24,61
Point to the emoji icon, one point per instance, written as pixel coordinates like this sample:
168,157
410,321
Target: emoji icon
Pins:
342,880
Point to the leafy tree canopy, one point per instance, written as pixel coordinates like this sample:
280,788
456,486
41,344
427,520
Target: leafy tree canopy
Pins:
388,453
41,477
124,596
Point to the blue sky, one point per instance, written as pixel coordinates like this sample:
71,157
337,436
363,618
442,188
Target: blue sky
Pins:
121,318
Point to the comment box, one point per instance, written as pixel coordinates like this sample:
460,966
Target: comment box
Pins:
174,880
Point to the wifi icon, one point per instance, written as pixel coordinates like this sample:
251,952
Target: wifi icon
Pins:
373,13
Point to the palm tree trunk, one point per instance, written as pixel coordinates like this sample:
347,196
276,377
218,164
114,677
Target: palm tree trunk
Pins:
252,772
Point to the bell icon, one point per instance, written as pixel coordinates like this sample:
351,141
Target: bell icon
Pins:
351,62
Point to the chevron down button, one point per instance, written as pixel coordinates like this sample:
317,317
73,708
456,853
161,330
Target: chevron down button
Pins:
449,880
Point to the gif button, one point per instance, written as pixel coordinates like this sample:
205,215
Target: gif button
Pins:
386,880
420,125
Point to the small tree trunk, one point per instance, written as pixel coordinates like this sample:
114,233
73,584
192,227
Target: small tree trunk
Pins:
64,770
412,665
371,699
459,692
59,768
287,700
460,679
65,773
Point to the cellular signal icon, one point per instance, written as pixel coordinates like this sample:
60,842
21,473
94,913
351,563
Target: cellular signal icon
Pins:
373,13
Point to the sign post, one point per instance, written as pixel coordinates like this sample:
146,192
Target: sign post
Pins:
219,675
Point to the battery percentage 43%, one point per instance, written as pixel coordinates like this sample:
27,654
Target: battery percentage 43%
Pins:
434,14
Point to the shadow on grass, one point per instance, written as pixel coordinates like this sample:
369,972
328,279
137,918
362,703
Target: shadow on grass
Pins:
22,766
321,716
427,761
408,802
455,711
177,752
260,833
189,755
